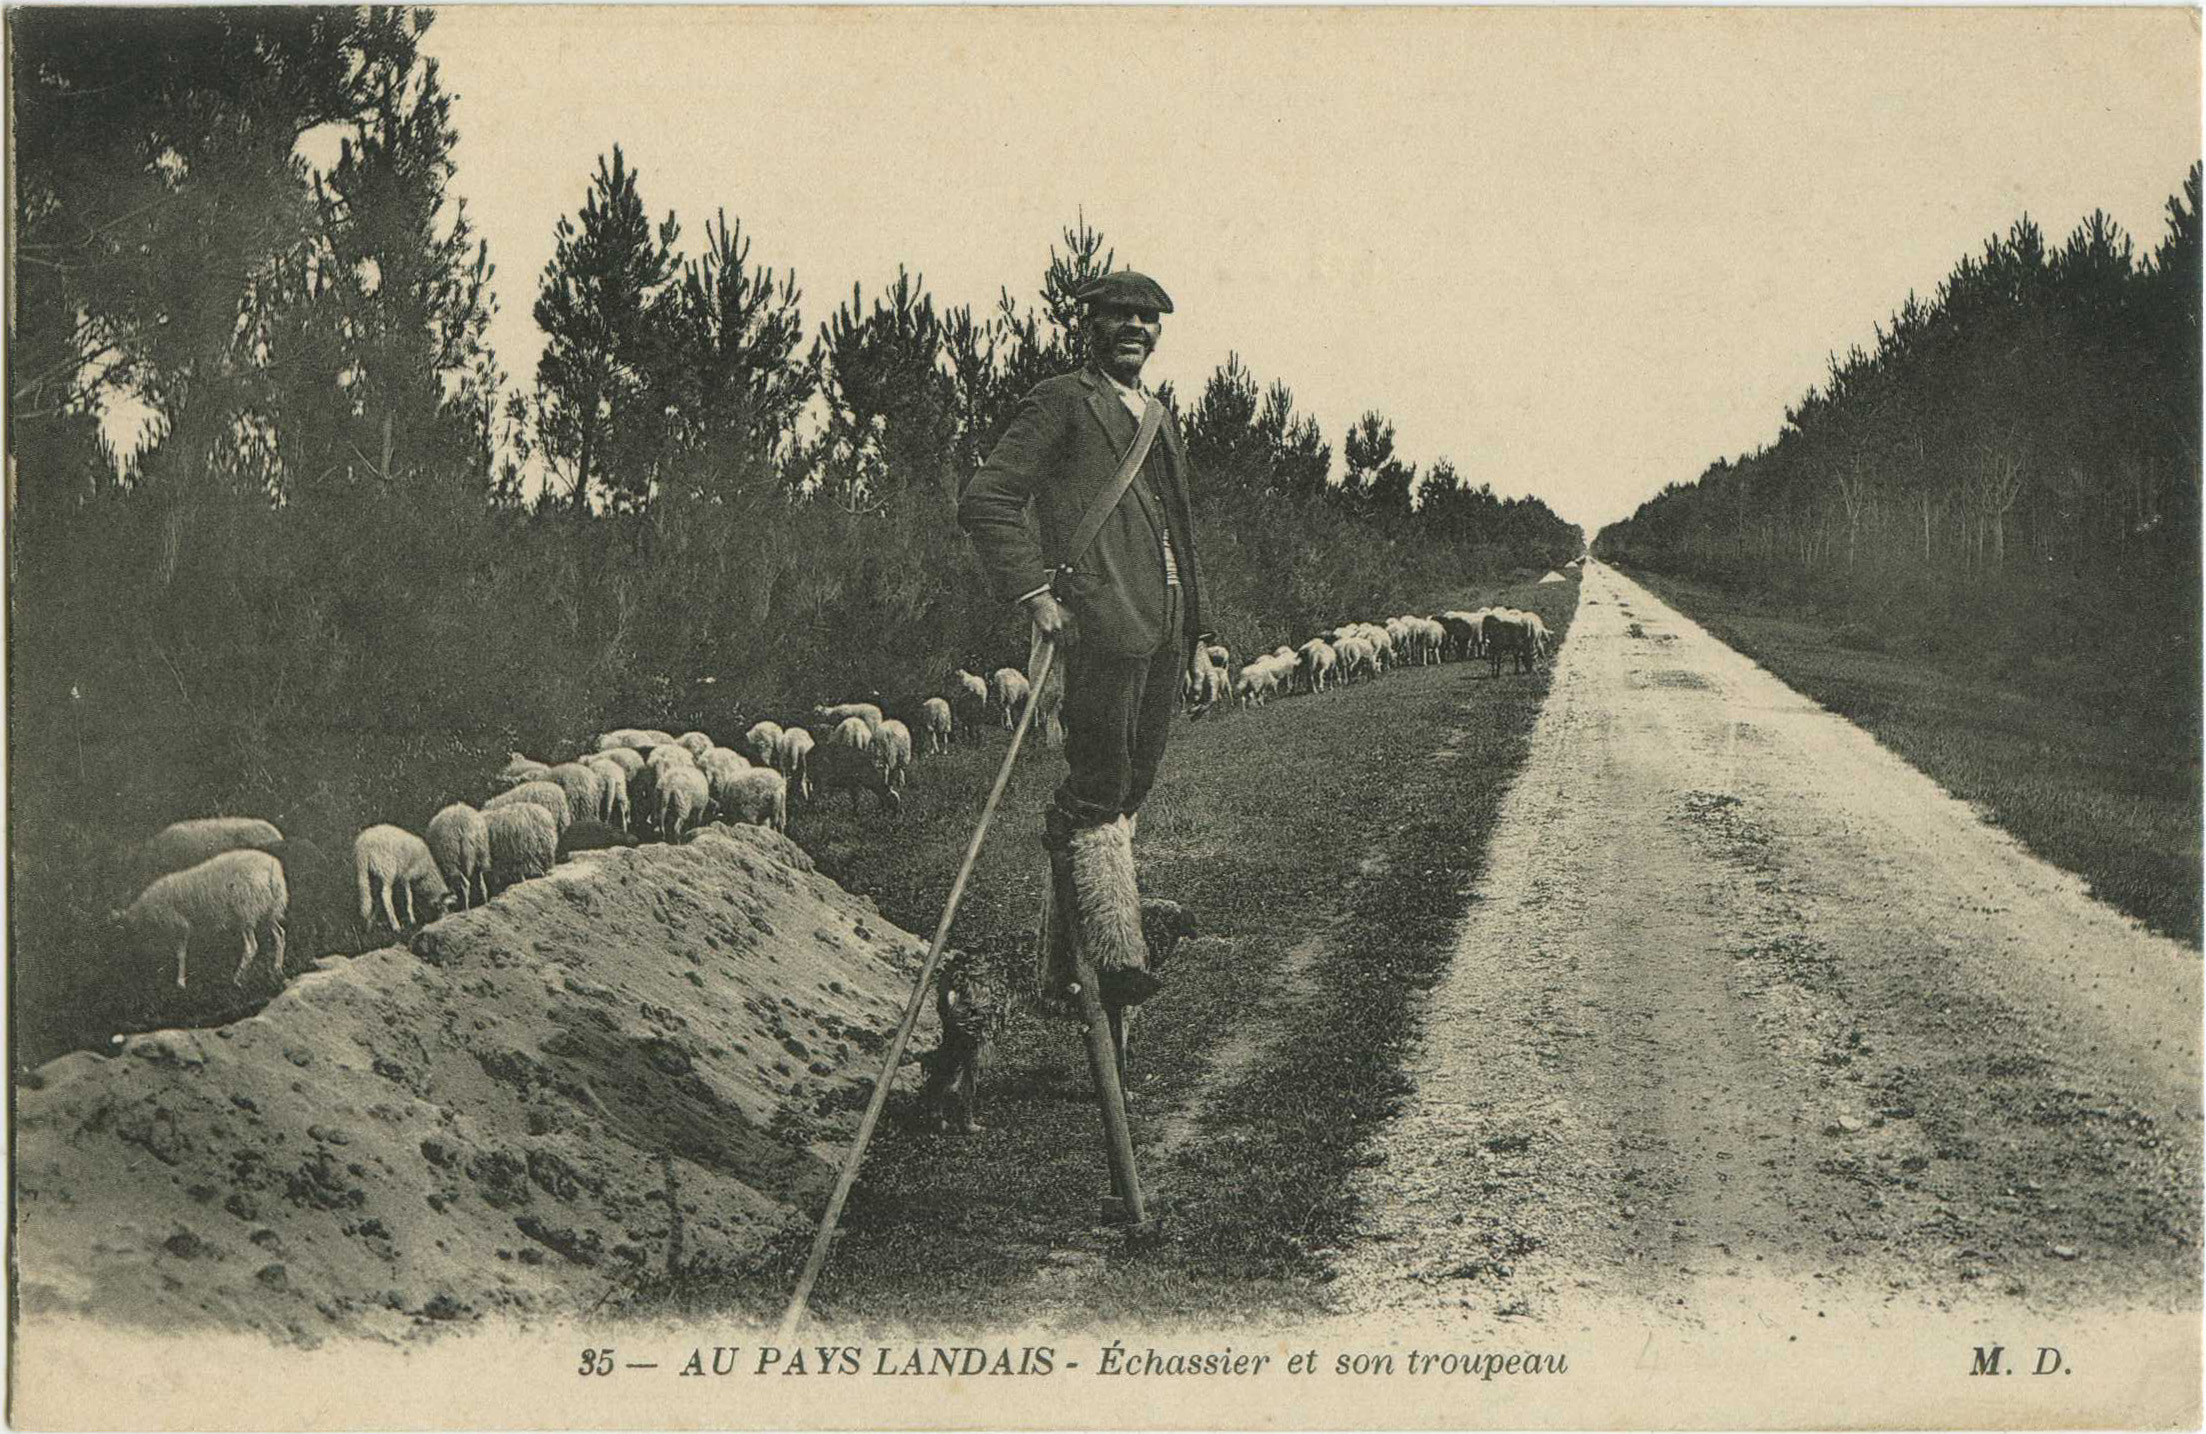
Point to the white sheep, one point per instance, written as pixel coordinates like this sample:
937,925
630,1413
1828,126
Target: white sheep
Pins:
758,795
935,720
1260,680
547,795
697,743
895,752
847,761
584,787
793,759
519,769
1354,657
628,759
829,717
1317,663
612,790
400,864
1007,691
184,845
524,842
722,759
1541,639
625,739
760,741
461,845
236,891
969,696
670,754
684,794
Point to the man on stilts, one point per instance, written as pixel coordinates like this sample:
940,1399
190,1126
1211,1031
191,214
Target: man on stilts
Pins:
1114,584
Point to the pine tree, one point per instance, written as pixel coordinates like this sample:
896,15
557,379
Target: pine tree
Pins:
729,372
594,305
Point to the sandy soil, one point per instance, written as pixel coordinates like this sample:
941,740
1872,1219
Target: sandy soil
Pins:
1746,1005
646,1059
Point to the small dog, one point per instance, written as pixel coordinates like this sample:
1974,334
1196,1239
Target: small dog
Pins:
971,1004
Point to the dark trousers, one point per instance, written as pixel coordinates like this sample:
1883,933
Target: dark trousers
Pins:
1117,715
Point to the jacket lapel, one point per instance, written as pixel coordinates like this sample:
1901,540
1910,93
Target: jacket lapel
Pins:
1110,411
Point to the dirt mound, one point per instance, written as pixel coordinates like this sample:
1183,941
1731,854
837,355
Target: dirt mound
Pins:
648,1057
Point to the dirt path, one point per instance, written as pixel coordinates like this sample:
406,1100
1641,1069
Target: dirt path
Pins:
1746,1003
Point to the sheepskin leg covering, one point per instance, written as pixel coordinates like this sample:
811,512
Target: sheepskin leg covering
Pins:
1107,897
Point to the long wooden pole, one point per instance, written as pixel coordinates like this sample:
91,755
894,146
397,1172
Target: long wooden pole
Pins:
820,1242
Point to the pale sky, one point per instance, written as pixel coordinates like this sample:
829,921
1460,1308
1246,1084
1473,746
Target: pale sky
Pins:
1581,253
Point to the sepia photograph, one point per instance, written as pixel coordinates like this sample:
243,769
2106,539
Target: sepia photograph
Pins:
1126,717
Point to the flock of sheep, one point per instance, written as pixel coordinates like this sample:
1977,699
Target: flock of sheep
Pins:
1342,655
234,876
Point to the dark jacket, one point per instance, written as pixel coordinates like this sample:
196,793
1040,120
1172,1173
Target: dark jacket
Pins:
1061,449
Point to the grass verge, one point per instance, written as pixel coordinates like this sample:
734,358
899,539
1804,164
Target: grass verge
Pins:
2115,801
1328,846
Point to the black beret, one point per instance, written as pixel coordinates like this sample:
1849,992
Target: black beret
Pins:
1128,289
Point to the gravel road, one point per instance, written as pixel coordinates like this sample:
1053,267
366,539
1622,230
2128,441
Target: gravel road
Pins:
1746,1004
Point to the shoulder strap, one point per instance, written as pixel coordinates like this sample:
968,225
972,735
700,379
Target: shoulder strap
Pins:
1091,522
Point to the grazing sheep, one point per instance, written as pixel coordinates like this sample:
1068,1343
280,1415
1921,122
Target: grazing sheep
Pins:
584,787
969,697
722,759
461,845
935,720
1205,685
592,836
524,842
548,795
519,769
684,794
829,717
241,891
1356,658
1261,680
613,807
670,754
757,795
697,743
847,761
1541,639
653,739
398,862
1506,633
627,738
1461,638
1431,639
1478,628
186,844
761,740
793,759
1316,666
628,759
1007,692
896,752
